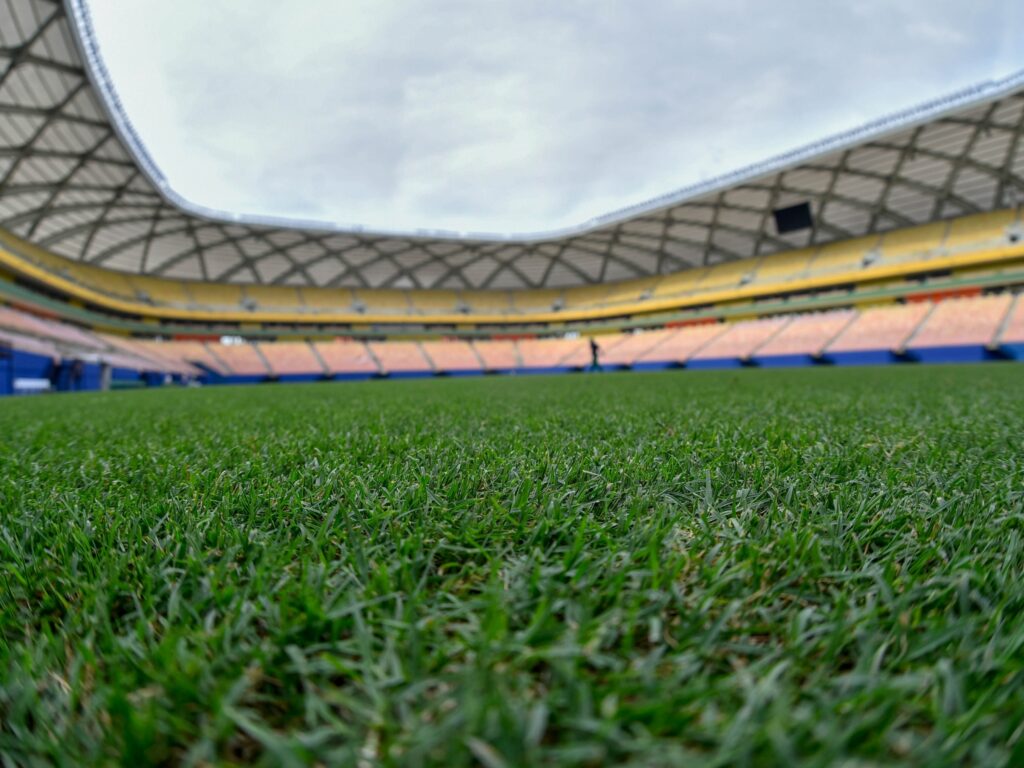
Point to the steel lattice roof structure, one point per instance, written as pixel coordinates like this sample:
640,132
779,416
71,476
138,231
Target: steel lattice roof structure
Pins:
75,179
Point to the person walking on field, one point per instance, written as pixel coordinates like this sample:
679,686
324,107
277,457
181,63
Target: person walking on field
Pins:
594,352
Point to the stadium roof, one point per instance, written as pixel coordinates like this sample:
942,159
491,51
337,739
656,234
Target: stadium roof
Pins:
75,179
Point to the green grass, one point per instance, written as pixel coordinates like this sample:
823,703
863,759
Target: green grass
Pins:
736,568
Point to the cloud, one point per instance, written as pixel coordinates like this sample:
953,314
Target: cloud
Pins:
514,115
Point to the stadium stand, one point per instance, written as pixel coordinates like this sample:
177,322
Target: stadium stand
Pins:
159,291
946,329
216,296
984,241
498,355
876,333
272,297
243,359
434,302
1011,335
914,243
538,301
322,300
400,357
143,355
1013,328
198,354
382,302
680,344
738,343
784,267
700,278
983,230
679,284
629,347
486,302
452,356
960,329
803,338
28,344
346,358
843,256
553,354
291,358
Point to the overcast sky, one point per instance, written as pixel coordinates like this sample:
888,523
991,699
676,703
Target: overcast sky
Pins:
516,115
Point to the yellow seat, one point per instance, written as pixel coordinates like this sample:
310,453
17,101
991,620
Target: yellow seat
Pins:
783,267
383,301
983,229
103,280
842,256
679,283
630,290
586,296
215,295
537,300
159,290
728,274
434,302
273,296
913,242
327,299
487,302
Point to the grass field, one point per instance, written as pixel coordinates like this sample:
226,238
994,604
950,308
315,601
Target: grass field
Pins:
752,568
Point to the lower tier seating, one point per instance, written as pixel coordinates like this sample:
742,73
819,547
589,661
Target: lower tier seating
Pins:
885,328
981,324
963,321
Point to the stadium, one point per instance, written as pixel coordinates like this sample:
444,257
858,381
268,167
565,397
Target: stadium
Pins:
595,530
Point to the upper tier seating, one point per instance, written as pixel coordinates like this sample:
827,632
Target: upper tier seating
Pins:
434,302
881,328
159,291
842,256
784,267
806,334
272,297
983,230
319,300
215,295
541,300
486,302
381,302
912,244
963,321
931,246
